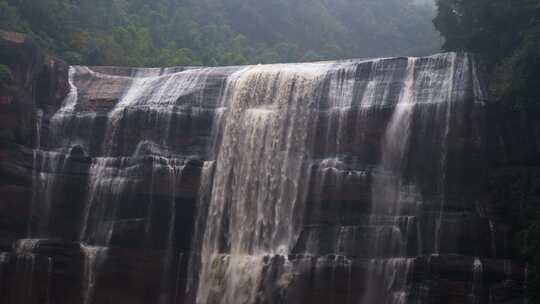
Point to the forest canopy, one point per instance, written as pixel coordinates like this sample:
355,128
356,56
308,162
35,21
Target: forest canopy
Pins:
223,32
506,36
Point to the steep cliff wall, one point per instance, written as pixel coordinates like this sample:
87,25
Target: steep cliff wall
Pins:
39,84
360,181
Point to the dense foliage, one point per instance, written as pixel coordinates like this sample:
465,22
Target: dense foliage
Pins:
222,32
5,73
506,35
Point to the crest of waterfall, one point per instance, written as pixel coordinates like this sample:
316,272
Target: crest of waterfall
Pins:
59,122
159,99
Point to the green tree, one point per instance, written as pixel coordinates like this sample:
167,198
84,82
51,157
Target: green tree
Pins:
5,73
221,32
506,36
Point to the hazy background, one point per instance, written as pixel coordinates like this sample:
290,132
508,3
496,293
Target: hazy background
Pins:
223,32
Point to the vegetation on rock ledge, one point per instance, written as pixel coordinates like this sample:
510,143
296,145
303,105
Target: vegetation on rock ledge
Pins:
506,34
5,73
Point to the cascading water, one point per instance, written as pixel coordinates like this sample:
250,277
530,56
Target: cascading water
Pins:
257,196
25,269
326,182
50,266
477,281
4,259
93,256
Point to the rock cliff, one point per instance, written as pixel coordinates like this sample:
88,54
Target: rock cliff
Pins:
361,181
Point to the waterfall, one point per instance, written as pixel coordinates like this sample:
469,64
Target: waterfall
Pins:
329,182
50,266
257,195
204,191
4,259
39,127
387,200
388,183
108,181
93,259
443,158
59,122
493,235
47,166
477,270
25,269
174,173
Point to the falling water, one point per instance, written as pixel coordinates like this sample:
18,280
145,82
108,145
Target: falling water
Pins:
180,260
257,196
393,275
282,145
157,97
50,265
93,258
25,269
39,123
448,94
59,122
477,271
25,277
108,180
526,285
26,246
174,174
47,167
340,100
387,184
388,201
493,238
205,187
4,259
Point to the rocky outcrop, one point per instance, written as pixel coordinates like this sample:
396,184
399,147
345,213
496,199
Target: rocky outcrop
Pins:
361,181
39,84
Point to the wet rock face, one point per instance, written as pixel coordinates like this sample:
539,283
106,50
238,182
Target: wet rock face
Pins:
338,182
39,84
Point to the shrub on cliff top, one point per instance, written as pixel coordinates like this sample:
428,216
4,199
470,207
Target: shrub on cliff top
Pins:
5,73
